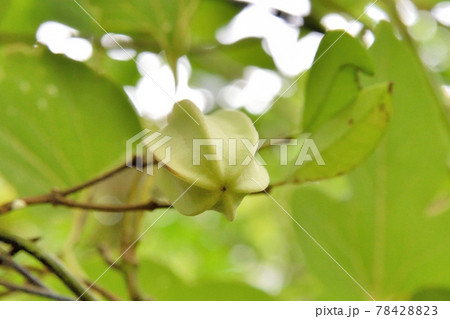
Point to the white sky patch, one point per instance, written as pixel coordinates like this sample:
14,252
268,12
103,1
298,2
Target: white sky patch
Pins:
254,21
442,12
78,49
53,34
155,93
122,54
294,57
61,39
110,40
407,11
446,90
368,38
334,21
293,7
118,46
280,39
375,13
254,92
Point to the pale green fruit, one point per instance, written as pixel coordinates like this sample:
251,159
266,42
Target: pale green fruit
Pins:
219,185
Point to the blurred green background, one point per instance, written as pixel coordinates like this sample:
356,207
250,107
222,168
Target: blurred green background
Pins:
70,98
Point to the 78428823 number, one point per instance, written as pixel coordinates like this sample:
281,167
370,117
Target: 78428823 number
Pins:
407,310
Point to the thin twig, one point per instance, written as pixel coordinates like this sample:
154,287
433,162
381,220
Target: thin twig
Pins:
58,197
111,208
96,180
34,291
49,261
9,262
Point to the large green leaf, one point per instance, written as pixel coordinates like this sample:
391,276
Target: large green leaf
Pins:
345,121
343,142
379,230
61,123
333,82
21,19
166,22
348,138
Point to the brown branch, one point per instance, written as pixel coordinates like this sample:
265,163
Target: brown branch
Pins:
58,197
62,201
34,291
98,179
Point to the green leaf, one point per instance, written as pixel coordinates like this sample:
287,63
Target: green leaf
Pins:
343,142
333,83
379,231
209,17
165,21
21,19
346,122
229,61
351,136
121,72
61,123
